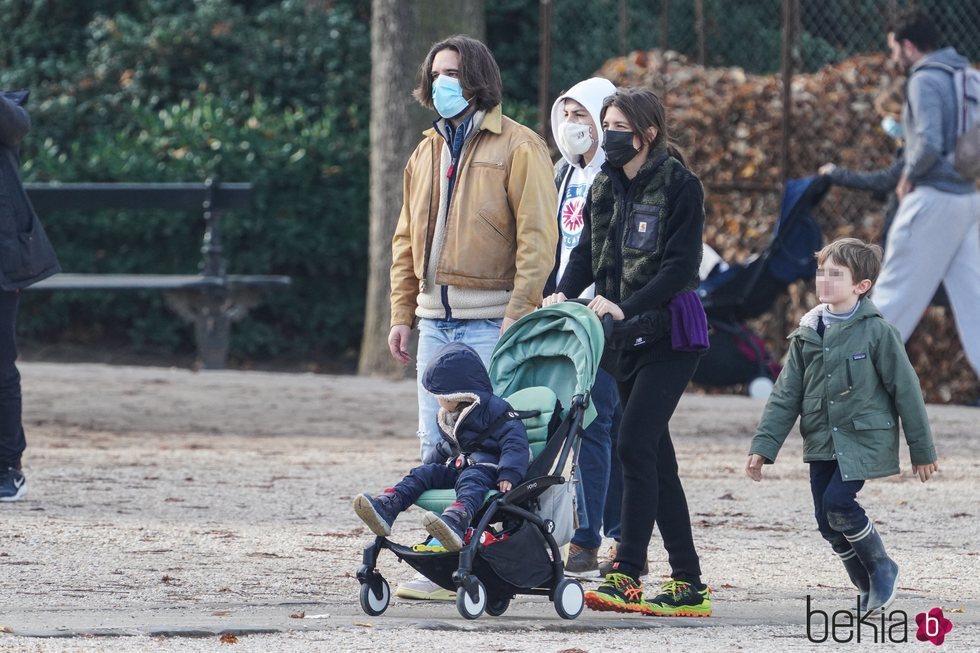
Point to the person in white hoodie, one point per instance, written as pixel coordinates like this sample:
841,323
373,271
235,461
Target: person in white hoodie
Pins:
575,126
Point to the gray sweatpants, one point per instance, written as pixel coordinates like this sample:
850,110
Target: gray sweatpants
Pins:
934,238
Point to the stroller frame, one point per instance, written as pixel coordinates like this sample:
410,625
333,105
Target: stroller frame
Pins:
478,587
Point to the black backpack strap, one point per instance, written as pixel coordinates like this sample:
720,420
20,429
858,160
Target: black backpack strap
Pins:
497,423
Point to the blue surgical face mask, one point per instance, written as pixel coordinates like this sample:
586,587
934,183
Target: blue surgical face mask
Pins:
892,127
447,96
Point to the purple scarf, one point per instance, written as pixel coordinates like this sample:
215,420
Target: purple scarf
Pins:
688,323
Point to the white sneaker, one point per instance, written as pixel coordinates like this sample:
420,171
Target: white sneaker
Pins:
423,589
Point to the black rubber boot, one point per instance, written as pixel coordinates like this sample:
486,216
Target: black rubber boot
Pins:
882,570
858,575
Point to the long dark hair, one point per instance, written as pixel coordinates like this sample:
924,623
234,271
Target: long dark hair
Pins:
479,75
643,109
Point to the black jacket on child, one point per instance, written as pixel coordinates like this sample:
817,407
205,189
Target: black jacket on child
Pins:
458,374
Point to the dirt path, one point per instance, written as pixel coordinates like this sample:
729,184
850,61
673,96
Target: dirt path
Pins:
171,502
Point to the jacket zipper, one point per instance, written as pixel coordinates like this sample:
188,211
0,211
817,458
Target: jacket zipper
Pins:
450,174
620,237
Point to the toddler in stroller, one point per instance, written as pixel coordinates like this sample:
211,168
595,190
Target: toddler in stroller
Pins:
507,542
484,444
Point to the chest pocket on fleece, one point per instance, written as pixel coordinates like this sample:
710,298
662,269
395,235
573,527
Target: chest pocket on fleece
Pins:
642,228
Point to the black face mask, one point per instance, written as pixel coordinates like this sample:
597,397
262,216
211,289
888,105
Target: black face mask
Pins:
619,147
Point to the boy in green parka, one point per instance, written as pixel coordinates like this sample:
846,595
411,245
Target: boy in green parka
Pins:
849,380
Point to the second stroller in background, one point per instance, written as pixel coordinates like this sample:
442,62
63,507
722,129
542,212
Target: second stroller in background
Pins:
734,293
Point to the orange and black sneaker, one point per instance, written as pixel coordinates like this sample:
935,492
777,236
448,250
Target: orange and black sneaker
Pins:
679,598
617,593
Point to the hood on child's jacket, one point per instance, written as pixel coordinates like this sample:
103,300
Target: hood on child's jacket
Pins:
456,373
589,93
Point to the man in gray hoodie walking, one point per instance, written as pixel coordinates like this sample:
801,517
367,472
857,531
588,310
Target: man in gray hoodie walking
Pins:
935,237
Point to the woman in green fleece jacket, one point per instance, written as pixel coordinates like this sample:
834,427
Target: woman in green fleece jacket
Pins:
849,380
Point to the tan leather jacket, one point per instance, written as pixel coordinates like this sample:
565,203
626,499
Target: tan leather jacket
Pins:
500,229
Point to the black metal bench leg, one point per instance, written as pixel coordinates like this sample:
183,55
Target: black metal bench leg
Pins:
212,310
212,329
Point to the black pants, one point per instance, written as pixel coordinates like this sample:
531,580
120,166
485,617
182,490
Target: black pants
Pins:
652,490
12,441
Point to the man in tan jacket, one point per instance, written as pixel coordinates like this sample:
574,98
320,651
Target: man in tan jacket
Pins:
476,237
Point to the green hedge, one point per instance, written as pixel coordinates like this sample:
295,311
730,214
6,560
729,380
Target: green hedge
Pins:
274,94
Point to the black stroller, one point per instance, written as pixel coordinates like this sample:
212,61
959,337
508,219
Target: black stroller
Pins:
733,294
544,365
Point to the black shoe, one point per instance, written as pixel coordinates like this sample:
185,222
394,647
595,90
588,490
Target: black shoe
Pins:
679,598
617,593
13,484
449,527
378,512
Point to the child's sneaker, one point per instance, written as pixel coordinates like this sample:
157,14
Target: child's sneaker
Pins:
13,484
679,599
449,527
378,512
617,593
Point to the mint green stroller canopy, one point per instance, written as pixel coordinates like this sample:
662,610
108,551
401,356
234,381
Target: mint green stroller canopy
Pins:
557,347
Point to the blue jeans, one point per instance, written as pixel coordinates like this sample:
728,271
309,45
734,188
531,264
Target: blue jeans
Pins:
835,504
12,441
600,497
481,335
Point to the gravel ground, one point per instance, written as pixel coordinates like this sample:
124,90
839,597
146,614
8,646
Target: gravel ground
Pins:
168,507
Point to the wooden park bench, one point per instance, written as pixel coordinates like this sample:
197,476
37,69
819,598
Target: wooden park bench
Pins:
212,299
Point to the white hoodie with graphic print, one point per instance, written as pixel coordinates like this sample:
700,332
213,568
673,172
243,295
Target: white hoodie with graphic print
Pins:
573,187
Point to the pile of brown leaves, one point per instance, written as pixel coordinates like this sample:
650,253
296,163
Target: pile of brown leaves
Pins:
728,124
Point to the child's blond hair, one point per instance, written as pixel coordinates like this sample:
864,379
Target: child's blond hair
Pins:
861,258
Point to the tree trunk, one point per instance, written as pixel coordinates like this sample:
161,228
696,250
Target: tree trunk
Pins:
401,34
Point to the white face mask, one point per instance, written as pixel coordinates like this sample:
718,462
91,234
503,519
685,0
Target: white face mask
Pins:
574,138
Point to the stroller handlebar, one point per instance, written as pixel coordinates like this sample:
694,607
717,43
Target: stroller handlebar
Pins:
607,319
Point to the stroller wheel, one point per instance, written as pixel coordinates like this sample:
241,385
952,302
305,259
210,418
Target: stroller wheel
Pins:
467,607
374,604
569,598
497,606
